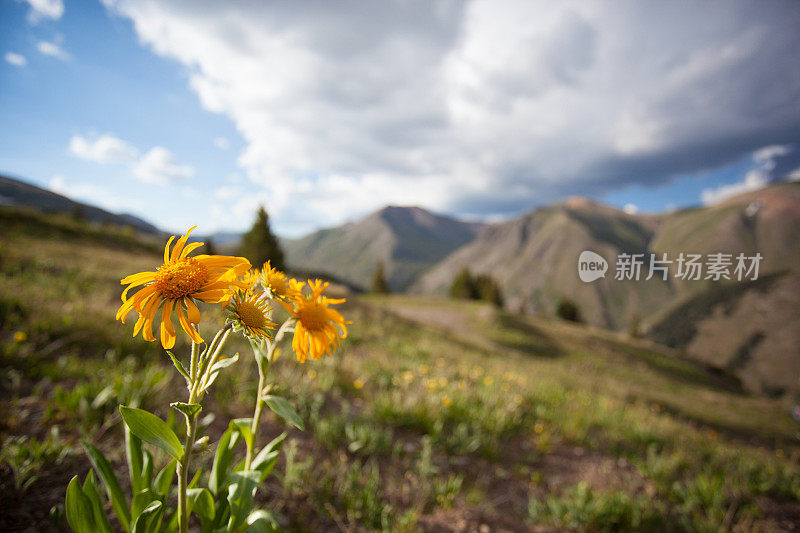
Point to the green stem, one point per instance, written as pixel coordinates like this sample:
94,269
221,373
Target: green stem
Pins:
256,417
191,430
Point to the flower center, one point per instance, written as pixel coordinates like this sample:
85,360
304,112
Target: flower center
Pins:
250,315
312,315
277,283
181,278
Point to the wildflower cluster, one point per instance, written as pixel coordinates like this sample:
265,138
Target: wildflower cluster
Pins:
223,501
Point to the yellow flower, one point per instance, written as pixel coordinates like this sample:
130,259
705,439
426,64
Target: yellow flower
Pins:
20,336
175,285
319,328
279,284
358,384
250,279
446,401
250,314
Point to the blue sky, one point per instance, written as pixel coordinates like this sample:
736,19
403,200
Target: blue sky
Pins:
190,113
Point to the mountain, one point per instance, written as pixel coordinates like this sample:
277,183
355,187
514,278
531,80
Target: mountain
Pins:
534,259
407,240
747,329
19,193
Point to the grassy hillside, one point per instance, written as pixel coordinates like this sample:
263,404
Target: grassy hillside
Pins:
407,240
21,194
434,416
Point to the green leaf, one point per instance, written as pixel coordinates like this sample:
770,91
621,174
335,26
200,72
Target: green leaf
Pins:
222,460
164,479
223,362
140,502
201,502
147,470
78,506
189,410
148,518
282,408
91,492
106,475
135,457
265,461
262,521
240,497
242,425
179,366
152,429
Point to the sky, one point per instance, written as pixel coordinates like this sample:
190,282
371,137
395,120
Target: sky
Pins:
189,112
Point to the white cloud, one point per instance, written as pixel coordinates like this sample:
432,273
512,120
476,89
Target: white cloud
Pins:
88,193
631,209
794,175
761,176
226,192
158,166
40,9
103,149
15,59
754,180
480,107
53,50
222,143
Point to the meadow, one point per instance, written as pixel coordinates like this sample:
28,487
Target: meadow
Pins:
434,415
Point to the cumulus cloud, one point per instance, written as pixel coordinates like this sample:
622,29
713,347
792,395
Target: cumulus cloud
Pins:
45,9
88,193
103,149
158,166
766,159
15,59
53,50
480,107
631,209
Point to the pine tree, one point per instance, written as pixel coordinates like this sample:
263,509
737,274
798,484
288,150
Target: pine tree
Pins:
260,245
379,284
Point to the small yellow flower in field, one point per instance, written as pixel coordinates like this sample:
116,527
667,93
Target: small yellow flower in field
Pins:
423,369
319,328
538,428
408,376
476,372
20,336
430,384
175,285
442,381
446,401
508,376
358,384
312,374
517,399
488,381
506,387
250,315
279,284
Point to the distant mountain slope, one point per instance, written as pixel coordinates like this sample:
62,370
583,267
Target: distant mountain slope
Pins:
766,221
19,193
534,259
407,240
748,329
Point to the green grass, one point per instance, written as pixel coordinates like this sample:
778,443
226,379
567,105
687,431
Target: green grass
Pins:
433,413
